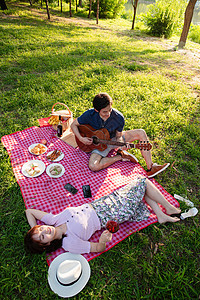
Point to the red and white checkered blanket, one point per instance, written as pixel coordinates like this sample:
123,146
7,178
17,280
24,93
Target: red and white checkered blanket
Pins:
48,194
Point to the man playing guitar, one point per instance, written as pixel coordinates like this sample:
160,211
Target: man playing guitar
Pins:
104,116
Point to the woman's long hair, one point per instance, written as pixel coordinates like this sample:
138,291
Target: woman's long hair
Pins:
36,246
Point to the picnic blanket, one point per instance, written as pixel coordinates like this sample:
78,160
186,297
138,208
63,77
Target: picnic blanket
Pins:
48,194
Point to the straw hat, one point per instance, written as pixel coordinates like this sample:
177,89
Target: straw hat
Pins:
68,274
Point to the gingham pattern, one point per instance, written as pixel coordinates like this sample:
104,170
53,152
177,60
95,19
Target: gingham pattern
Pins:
48,194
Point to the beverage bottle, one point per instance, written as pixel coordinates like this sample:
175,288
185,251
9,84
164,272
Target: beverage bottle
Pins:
59,128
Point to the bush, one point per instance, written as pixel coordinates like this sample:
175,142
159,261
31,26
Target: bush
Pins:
164,17
109,8
194,33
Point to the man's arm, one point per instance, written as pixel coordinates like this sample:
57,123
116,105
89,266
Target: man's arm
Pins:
84,140
33,215
105,237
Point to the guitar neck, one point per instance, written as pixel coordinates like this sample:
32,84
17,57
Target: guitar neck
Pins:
109,142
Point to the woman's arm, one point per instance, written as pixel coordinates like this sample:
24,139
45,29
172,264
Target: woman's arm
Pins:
33,215
105,237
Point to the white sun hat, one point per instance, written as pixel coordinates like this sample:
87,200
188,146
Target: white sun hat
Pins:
68,274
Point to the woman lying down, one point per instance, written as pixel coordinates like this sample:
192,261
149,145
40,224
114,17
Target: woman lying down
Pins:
72,228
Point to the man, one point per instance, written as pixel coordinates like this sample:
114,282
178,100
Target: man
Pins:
104,116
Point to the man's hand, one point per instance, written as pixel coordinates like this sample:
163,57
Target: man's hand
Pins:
86,140
125,147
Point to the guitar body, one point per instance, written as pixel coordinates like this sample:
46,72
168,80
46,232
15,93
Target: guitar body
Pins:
88,131
101,138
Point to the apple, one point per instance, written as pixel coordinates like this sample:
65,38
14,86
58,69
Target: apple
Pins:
112,226
43,141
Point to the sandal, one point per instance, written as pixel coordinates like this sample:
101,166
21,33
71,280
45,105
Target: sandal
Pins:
190,213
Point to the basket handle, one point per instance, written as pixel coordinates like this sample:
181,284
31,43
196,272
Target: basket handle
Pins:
52,110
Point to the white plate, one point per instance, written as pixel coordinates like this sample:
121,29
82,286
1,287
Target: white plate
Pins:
59,158
40,164
55,176
33,145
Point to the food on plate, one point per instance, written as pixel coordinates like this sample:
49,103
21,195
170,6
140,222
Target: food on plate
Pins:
55,170
43,141
54,155
33,169
38,149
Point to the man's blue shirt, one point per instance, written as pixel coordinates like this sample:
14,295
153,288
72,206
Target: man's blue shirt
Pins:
114,123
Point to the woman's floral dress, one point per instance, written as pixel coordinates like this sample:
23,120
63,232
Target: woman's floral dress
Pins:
124,204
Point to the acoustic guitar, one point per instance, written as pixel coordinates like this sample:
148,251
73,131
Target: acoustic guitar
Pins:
101,138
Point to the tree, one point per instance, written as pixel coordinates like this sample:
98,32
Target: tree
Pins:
70,8
134,14
97,18
90,8
47,7
3,5
187,21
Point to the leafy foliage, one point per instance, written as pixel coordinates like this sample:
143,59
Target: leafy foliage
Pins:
109,8
194,33
164,17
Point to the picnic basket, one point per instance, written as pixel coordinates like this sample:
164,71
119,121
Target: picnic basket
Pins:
66,115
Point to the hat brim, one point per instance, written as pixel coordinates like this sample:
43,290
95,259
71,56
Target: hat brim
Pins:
75,288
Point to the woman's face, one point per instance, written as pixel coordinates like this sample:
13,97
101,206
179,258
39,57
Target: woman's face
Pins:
44,234
105,112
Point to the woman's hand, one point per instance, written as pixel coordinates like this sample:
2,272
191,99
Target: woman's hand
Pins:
105,237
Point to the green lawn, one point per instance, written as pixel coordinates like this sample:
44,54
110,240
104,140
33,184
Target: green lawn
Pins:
156,89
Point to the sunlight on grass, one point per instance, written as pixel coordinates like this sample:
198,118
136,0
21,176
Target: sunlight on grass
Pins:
44,62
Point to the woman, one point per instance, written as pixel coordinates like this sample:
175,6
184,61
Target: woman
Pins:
72,228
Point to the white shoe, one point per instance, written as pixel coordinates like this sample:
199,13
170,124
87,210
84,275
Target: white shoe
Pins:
190,213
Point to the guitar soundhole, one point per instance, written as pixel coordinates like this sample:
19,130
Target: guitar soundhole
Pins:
95,140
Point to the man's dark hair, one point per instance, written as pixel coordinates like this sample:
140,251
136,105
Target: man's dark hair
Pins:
101,101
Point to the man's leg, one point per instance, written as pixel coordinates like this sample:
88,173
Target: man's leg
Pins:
97,162
139,134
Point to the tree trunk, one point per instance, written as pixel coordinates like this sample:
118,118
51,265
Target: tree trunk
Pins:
80,3
76,5
30,2
90,8
134,14
187,21
3,5
61,5
70,8
47,7
97,12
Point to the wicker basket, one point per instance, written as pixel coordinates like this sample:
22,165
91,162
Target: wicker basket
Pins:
66,115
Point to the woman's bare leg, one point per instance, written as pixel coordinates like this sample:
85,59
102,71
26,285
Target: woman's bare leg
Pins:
154,194
162,217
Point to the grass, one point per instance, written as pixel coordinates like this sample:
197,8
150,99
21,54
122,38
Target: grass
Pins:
44,62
